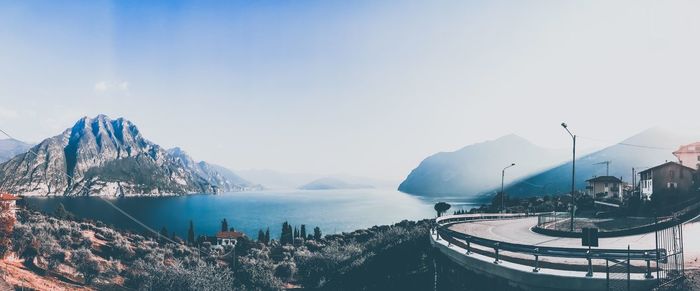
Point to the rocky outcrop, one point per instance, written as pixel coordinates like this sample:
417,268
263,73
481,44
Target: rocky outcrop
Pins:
101,156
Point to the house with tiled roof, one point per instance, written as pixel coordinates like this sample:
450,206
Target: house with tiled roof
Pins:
228,238
670,178
605,187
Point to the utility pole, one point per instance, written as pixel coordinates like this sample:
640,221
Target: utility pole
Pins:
573,175
634,183
503,195
607,167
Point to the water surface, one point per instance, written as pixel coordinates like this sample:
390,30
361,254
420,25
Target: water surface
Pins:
334,211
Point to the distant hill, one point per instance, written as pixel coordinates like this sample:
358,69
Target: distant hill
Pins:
329,183
12,147
234,178
648,148
476,168
272,179
108,157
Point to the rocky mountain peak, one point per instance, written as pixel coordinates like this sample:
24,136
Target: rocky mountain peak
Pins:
104,156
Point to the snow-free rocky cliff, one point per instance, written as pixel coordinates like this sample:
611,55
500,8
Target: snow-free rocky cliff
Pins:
111,158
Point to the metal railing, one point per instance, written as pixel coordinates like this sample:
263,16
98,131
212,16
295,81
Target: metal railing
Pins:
442,230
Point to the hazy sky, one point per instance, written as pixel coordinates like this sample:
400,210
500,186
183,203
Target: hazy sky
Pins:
360,87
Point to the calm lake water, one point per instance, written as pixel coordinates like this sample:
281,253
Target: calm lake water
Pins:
334,211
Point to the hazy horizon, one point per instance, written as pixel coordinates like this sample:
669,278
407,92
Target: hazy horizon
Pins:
362,88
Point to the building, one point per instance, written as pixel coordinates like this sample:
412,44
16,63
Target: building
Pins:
228,238
689,155
10,201
605,187
669,178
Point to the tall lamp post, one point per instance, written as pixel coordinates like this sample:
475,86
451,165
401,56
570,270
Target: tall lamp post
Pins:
503,195
573,175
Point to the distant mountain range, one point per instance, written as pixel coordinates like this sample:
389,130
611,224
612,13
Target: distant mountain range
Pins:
474,171
646,149
110,157
330,183
12,147
277,180
477,168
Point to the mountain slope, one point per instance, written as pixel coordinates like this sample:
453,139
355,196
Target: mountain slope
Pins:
648,148
11,147
477,168
107,157
332,183
276,180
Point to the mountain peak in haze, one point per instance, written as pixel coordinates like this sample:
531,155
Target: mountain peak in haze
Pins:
329,183
477,168
11,147
648,148
105,156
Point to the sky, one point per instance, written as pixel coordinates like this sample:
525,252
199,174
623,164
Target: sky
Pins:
367,88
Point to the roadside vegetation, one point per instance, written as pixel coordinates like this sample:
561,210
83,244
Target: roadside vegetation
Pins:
90,255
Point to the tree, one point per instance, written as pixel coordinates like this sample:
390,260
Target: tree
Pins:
62,213
296,232
224,225
190,233
287,233
302,231
317,233
51,251
267,236
84,263
441,207
261,236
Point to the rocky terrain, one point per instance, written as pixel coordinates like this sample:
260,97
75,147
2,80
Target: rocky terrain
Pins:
101,156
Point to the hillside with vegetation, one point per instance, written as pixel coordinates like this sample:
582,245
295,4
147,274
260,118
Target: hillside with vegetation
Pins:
57,252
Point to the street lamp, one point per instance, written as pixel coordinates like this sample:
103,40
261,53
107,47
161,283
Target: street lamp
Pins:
573,174
503,200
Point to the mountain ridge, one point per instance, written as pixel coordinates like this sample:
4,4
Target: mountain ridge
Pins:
103,156
648,148
476,168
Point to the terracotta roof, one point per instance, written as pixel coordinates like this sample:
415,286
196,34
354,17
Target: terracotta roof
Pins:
665,165
8,197
605,179
684,148
229,234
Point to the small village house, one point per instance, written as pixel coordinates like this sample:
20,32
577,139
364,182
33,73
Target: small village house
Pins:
10,201
670,178
228,238
605,187
689,155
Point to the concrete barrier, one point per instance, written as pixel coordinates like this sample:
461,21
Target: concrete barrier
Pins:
523,276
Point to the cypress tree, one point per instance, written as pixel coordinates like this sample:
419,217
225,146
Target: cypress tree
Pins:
267,236
317,233
261,236
302,231
224,225
190,233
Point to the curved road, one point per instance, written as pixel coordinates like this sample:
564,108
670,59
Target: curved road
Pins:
518,231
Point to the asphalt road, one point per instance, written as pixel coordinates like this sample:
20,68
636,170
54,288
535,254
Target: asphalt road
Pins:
518,231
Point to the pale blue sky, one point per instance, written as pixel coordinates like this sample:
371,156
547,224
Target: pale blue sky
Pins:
367,88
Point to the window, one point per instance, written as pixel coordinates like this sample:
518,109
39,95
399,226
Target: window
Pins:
698,157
